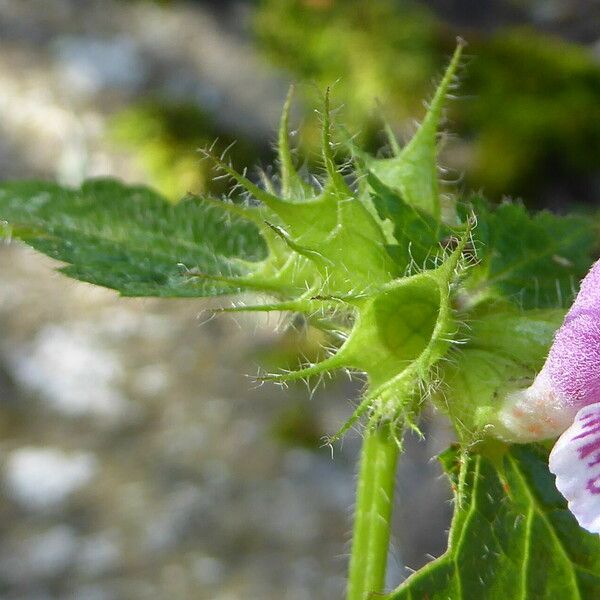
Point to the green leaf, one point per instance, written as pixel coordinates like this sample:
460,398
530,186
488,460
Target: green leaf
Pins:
503,349
512,535
417,233
413,170
292,185
407,327
130,239
334,229
536,260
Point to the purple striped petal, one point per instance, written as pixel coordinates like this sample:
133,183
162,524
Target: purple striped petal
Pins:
575,460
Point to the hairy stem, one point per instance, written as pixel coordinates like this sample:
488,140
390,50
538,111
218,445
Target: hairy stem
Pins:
375,493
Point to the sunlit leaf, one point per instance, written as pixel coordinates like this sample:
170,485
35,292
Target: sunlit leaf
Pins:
511,537
503,348
129,238
536,260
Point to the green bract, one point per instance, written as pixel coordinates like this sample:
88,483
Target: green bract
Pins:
425,296
340,250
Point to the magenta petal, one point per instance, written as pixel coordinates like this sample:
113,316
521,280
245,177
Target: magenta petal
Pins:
573,364
575,460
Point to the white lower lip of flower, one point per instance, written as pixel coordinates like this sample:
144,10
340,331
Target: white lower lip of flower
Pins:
538,413
575,460
535,413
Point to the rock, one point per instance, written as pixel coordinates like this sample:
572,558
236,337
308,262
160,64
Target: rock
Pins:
43,479
89,65
72,373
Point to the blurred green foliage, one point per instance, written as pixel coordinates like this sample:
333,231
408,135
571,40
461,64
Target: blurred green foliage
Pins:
535,116
370,50
530,113
164,137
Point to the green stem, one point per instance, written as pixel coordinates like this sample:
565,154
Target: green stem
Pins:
374,501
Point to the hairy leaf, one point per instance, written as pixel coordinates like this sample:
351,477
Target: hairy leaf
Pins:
129,238
536,260
503,348
413,169
511,537
417,233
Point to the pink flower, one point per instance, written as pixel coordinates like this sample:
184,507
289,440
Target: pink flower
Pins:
564,400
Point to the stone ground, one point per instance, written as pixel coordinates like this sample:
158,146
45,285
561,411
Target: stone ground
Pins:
137,460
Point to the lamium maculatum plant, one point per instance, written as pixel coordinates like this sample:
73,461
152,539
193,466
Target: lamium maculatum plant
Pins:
434,299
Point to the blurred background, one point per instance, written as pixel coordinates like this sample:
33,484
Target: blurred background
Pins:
137,458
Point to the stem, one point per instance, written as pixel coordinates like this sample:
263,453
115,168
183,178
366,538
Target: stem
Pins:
374,501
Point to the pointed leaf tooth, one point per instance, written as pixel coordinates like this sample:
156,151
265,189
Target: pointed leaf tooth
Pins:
285,157
388,130
246,212
347,300
291,306
431,122
329,364
359,155
292,185
266,181
453,261
414,171
269,199
392,139
249,282
296,215
360,410
335,177
313,255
